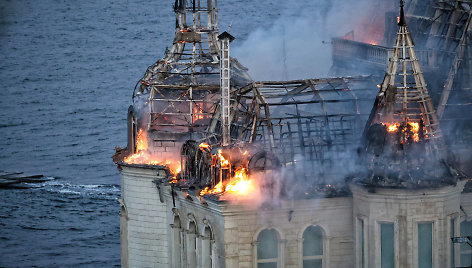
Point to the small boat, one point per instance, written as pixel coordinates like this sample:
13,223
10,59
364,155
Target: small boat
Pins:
20,179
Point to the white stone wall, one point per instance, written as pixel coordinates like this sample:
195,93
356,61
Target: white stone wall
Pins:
189,207
333,215
236,228
147,237
147,233
407,208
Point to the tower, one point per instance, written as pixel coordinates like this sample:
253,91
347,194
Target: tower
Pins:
175,99
407,206
403,106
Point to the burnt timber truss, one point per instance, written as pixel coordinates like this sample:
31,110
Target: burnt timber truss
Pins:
311,122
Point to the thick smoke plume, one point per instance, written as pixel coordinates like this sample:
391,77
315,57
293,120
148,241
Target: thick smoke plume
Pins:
297,45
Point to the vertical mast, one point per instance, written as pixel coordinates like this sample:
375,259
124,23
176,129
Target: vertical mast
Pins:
225,77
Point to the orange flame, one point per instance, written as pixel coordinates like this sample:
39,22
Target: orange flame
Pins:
223,161
197,113
204,146
240,184
414,128
142,156
141,141
392,127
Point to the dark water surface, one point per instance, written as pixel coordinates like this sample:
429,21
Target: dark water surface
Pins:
67,70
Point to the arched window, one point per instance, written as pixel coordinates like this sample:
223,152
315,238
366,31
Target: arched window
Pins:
132,130
207,248
192,245
124,233
268,249
176,243
313,247
466,250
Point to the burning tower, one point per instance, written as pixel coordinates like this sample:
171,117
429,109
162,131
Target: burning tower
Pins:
407,206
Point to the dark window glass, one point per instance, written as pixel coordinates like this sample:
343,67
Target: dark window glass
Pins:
312,241
425,245
267,245
466,250
267,265
387,251
312,264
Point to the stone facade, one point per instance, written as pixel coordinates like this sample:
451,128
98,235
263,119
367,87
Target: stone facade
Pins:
406,210
162,227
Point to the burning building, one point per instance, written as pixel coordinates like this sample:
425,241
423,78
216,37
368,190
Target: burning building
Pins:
222,171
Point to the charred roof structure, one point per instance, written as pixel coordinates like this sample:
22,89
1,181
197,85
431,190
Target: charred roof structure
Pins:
197,93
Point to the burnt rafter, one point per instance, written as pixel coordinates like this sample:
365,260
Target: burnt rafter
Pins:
315,119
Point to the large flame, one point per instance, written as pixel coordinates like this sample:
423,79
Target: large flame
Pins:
414,128
142,155
240,184
141,141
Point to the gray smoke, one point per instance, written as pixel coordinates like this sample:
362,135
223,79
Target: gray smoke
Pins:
297,45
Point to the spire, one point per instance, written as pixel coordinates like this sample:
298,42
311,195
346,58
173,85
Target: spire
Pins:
403,101
195,48
402,21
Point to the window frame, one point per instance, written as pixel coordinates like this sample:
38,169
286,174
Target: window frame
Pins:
378,242
321,257
362,235
192,239
208,239
280,248
461,251
435,239
177,248
453,226
417,225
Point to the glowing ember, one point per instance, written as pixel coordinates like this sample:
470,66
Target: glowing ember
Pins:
197,113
